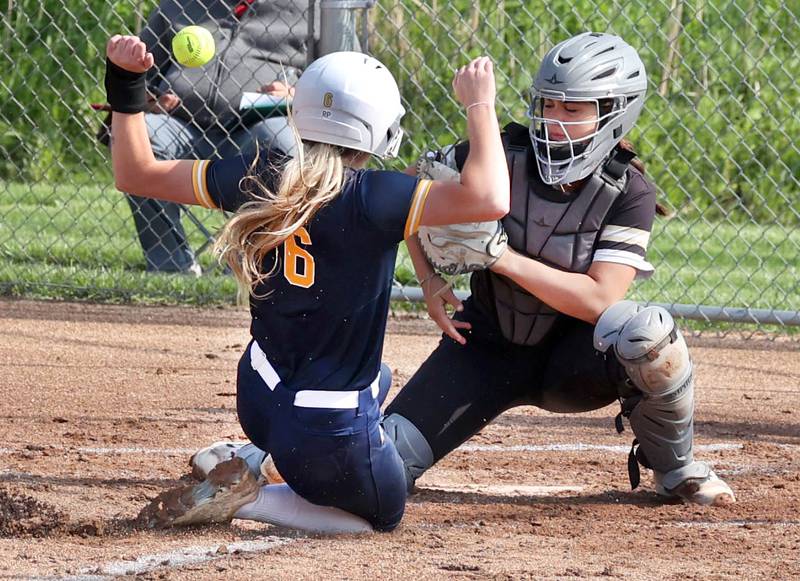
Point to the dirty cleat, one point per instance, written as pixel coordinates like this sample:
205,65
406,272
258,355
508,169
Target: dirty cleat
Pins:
696,483
203,461
260,463
229,486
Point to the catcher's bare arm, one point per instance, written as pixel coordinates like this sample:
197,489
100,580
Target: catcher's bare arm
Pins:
583,296
422,268
484,191
452,249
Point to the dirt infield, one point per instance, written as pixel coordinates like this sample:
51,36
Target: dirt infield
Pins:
102,406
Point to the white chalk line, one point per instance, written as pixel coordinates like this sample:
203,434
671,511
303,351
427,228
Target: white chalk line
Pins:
107,451
202,554
580,448
734,524
181,557
502,489
533,448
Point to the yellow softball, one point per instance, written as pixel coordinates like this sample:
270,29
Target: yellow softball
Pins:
193,46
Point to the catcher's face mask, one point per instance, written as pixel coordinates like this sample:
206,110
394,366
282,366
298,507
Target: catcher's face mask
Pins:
563,133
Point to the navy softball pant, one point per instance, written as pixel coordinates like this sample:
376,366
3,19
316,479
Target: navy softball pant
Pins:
331,456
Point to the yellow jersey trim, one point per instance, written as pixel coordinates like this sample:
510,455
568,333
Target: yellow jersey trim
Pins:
200,184
417,206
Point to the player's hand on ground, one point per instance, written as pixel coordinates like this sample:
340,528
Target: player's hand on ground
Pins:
474,83
129,53
437,301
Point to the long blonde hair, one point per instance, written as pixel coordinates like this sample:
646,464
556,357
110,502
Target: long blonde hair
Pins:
309,181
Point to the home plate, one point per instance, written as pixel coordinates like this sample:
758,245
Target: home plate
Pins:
503,489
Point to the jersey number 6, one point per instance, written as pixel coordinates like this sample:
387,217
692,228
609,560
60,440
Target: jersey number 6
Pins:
293,254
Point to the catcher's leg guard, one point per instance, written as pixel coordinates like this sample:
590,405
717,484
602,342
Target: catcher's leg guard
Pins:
654,354
411,445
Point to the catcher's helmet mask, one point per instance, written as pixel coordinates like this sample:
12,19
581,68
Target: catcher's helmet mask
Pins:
590,67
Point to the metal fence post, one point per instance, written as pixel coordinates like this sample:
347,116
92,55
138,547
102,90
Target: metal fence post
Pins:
338,25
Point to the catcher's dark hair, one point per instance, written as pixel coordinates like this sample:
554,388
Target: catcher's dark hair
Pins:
605,108
625,144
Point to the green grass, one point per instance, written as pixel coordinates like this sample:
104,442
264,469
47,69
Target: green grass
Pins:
78,242
723,264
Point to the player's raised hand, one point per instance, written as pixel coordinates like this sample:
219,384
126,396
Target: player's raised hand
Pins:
474,83
129,53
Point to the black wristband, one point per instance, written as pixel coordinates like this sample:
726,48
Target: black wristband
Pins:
125,90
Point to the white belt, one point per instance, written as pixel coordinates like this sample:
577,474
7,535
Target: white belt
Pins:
307,398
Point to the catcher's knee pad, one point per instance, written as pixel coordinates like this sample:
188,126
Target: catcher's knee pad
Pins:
653,352
647,344
411,445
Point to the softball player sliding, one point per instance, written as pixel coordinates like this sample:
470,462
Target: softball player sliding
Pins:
313,242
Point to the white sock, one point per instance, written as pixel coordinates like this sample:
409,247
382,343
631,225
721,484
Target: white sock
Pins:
279,505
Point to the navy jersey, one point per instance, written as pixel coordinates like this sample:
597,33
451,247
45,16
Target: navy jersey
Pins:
323,321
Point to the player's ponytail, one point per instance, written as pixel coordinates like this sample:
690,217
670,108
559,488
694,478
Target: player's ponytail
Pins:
309,181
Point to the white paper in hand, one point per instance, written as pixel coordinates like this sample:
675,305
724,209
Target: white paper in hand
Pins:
262,102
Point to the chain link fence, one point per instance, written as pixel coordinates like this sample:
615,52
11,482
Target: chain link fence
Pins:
717,133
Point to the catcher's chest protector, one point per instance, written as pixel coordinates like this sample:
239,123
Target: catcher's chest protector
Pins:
558,229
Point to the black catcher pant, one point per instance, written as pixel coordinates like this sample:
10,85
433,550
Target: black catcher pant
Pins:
459,389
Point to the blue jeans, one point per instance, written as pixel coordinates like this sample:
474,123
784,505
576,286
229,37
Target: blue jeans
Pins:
330,457
158,223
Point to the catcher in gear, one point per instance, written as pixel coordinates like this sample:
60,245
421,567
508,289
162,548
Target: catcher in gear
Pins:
546,324
310,383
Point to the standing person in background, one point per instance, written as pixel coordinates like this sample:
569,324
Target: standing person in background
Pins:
261,46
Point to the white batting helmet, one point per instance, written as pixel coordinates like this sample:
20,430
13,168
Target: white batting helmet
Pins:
349,99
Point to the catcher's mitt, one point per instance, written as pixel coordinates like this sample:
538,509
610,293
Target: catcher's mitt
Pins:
462,248
430,169
458,248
